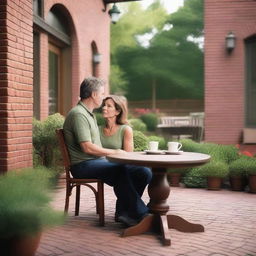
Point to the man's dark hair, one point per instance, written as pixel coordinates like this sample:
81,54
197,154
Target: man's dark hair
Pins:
90,85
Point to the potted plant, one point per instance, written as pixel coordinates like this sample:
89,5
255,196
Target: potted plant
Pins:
237,174
25,211
251,172
174,176
193,178
215,172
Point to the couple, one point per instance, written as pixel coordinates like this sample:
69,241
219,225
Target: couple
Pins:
87,154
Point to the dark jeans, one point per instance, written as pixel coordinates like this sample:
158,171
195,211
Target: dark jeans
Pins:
128,181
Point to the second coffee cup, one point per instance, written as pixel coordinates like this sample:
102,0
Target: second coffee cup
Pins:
174,146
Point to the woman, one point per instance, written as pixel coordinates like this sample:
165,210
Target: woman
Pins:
117,134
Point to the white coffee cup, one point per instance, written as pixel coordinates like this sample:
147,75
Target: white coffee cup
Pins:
153,145
174,146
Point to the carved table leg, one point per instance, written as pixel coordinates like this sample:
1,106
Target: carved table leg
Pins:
165,230
144,226
159,220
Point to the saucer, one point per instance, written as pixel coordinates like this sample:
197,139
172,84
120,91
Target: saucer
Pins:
154,152
173,152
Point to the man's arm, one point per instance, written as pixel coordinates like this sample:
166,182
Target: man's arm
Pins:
89,148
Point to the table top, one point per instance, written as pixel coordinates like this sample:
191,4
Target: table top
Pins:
185,159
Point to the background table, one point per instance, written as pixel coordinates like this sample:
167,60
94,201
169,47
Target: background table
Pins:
159,191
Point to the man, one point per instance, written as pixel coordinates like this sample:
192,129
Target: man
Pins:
88,156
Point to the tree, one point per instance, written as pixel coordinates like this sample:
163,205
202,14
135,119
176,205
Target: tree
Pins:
134,22
172,65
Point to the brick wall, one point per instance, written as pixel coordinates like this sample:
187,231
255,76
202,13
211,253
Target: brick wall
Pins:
16,80
224,73
88,23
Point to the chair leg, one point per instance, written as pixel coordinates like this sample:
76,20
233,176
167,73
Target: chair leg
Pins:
68,190
78,188
100,202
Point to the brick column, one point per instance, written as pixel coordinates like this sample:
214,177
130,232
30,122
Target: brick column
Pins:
16,84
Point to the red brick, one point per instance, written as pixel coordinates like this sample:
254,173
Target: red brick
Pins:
224,73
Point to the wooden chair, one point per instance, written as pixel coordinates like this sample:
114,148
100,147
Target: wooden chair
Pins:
72,182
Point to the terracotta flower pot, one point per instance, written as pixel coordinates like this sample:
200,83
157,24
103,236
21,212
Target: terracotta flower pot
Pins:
252,183
20,246
237,183
174,179
214,183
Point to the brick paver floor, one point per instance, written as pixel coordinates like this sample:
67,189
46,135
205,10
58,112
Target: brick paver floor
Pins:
228,217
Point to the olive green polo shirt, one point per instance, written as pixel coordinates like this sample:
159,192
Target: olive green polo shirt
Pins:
80,125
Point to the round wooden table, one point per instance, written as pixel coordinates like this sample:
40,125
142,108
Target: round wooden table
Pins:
159,191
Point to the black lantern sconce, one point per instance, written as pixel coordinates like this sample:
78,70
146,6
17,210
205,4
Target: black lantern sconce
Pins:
114,12
230,42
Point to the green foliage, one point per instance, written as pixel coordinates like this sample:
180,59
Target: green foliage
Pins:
151,121
225,153
117,80
25,203
137,125
214,169
100,119
45,141
218,152
171,63
135,21
161,140
194,179
248,164
239,167
140,141
190,146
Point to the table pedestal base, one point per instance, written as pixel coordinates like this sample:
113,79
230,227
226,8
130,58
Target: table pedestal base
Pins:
165,222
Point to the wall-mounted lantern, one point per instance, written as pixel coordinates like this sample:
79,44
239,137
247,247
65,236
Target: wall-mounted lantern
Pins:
114,12
230,42
96,58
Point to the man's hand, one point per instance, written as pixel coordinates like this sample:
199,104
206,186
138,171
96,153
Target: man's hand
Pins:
119,151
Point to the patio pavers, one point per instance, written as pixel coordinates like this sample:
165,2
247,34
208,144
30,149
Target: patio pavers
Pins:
228,217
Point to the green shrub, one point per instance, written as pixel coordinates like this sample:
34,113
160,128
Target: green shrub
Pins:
224,153
190,145
161,140
137,125
194,179
25,203
239,167
230,153
151,121
249,165
218,152
100,119
214,169
140,141
45,141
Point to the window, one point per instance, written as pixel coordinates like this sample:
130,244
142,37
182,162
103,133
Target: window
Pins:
54,79
38,7
250,91
36,80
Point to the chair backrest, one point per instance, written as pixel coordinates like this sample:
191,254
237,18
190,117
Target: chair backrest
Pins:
64,150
